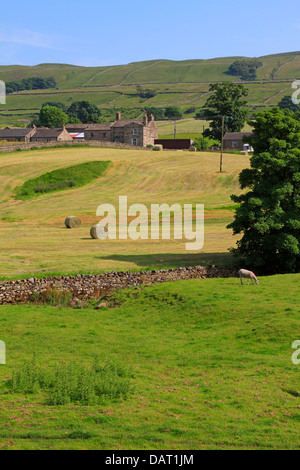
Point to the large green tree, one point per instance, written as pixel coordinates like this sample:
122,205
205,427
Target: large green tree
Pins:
227,100
51,116
269,213
85,111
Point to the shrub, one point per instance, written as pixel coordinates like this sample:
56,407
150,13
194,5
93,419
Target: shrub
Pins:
52,296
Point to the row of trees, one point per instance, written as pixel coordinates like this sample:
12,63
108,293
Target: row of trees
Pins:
53,114
33,83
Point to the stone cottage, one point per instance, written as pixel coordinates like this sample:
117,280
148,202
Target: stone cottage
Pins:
43,134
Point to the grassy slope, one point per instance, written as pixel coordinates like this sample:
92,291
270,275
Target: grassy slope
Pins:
183,82
34,241
211,361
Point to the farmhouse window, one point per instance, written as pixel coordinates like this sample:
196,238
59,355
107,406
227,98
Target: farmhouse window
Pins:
134,141
234,144
134,131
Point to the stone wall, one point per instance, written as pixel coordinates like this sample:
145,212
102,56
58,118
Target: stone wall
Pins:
89,287
91,143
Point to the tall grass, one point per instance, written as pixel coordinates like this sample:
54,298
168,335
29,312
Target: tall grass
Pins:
64,178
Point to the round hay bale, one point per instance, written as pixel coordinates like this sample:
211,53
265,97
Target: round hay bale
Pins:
157,147
98,232
72,222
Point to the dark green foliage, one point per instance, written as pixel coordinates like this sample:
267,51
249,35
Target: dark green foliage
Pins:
203,143
74,383
158,113
228,101
269,213
173,112
57,104
146,92
85,111
65,178
246,69
34,83
287,103
53,117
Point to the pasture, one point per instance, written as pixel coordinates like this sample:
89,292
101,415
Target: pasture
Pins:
209,360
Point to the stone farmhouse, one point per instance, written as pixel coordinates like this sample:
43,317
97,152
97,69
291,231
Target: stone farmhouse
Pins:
236,141
136,132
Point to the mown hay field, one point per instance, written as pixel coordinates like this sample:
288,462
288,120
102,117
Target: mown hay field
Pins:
35,241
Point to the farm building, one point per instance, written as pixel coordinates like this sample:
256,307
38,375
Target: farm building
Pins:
16,134
98,132
43,134
235,140
174,144
137,132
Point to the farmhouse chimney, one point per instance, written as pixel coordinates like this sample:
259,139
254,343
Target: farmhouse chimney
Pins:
118,116
152,117
145,120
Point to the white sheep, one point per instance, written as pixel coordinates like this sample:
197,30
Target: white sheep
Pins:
248,275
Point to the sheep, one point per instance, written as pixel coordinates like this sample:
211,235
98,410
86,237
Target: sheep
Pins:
248,275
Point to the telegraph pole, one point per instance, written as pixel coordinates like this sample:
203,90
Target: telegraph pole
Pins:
222,145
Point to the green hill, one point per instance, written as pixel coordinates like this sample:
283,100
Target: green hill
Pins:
184,83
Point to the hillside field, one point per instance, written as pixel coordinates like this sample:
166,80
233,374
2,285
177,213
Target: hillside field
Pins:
183,83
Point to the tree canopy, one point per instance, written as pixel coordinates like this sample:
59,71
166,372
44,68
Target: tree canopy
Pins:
287,103
269,213
173,112
53,117
227,100
33,83
246,69
85,111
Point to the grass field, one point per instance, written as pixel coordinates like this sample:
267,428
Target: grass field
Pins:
210,361
33,237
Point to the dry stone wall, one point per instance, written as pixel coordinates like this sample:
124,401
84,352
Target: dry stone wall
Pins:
90,287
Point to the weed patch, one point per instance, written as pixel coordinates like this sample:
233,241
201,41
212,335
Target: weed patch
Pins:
74,383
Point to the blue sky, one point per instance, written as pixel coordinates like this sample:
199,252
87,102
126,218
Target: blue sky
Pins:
96,33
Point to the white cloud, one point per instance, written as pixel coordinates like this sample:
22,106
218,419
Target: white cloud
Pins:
31,38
